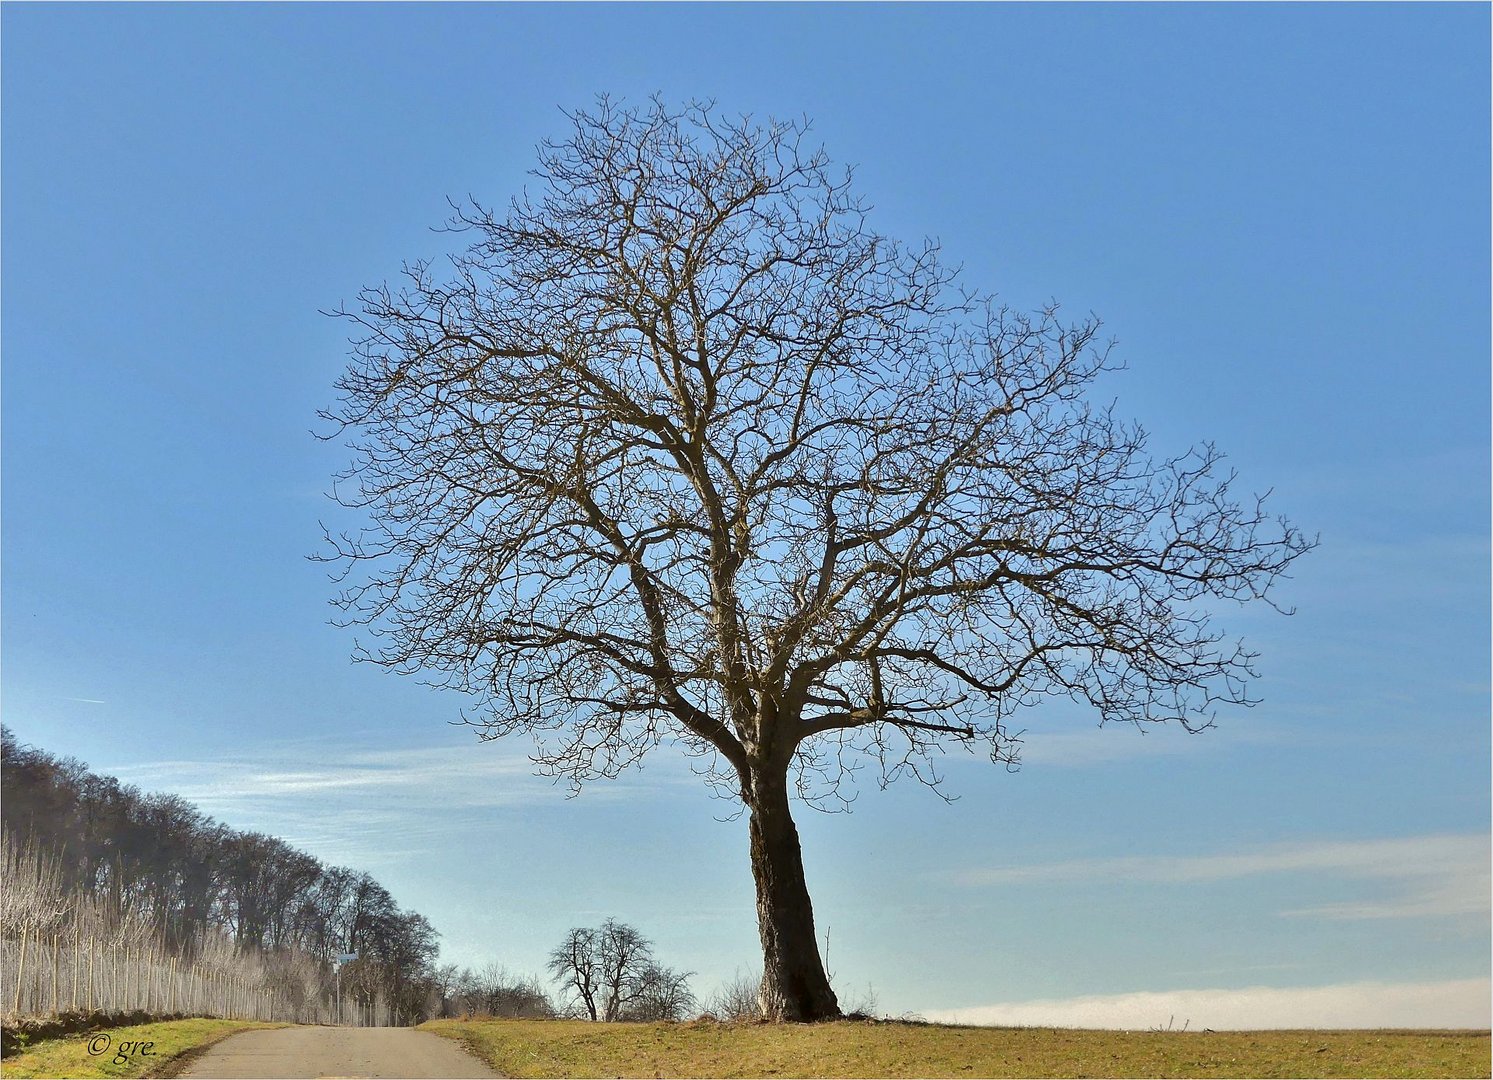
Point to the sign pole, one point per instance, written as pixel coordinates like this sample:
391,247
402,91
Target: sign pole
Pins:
342,958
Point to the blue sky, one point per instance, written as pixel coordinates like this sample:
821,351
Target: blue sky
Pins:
1281,213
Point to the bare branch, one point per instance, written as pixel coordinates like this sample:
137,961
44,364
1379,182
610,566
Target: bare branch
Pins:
680,448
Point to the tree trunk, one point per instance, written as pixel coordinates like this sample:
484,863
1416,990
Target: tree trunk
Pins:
794,986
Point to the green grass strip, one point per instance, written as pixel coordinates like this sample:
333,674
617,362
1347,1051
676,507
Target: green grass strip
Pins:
143,1050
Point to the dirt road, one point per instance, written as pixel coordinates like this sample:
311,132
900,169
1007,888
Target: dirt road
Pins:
331,1051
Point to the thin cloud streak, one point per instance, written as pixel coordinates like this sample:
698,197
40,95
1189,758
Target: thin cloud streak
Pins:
1444,875
373,807
1462,1003
464,776
1086,744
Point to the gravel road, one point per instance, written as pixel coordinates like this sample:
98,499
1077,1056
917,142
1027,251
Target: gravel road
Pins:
337,1051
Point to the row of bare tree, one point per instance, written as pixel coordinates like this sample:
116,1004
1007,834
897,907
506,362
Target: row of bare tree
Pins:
94,868
66,952
489,991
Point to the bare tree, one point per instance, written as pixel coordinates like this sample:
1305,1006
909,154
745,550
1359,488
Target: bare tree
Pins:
624,954
576,965
613,974
681,449
660,993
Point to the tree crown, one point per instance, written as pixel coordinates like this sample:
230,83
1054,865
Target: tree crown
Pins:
680,447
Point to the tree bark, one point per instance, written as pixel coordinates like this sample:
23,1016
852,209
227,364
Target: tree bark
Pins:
794,985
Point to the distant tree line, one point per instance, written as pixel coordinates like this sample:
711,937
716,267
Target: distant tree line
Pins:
490,990
161,863
604,973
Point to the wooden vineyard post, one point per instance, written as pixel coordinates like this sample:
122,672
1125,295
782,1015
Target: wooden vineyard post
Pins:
20,971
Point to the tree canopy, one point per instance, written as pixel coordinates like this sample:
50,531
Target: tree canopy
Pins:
680,448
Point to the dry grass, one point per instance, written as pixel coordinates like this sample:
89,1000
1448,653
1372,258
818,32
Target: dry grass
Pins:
124,1054
530,1048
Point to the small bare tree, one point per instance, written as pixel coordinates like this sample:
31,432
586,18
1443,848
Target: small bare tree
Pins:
576,965
681,449
613,975
660,994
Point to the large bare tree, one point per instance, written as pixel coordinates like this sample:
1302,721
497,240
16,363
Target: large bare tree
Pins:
680,449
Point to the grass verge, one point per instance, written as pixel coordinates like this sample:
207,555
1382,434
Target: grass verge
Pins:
538,1048
141,1050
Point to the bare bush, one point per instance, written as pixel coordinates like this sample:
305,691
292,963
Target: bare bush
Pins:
864,1006
737,998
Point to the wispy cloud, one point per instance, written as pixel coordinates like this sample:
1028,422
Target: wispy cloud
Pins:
1462,1003
369,807
471,775
88,700
463,776
1434,875
1096,745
